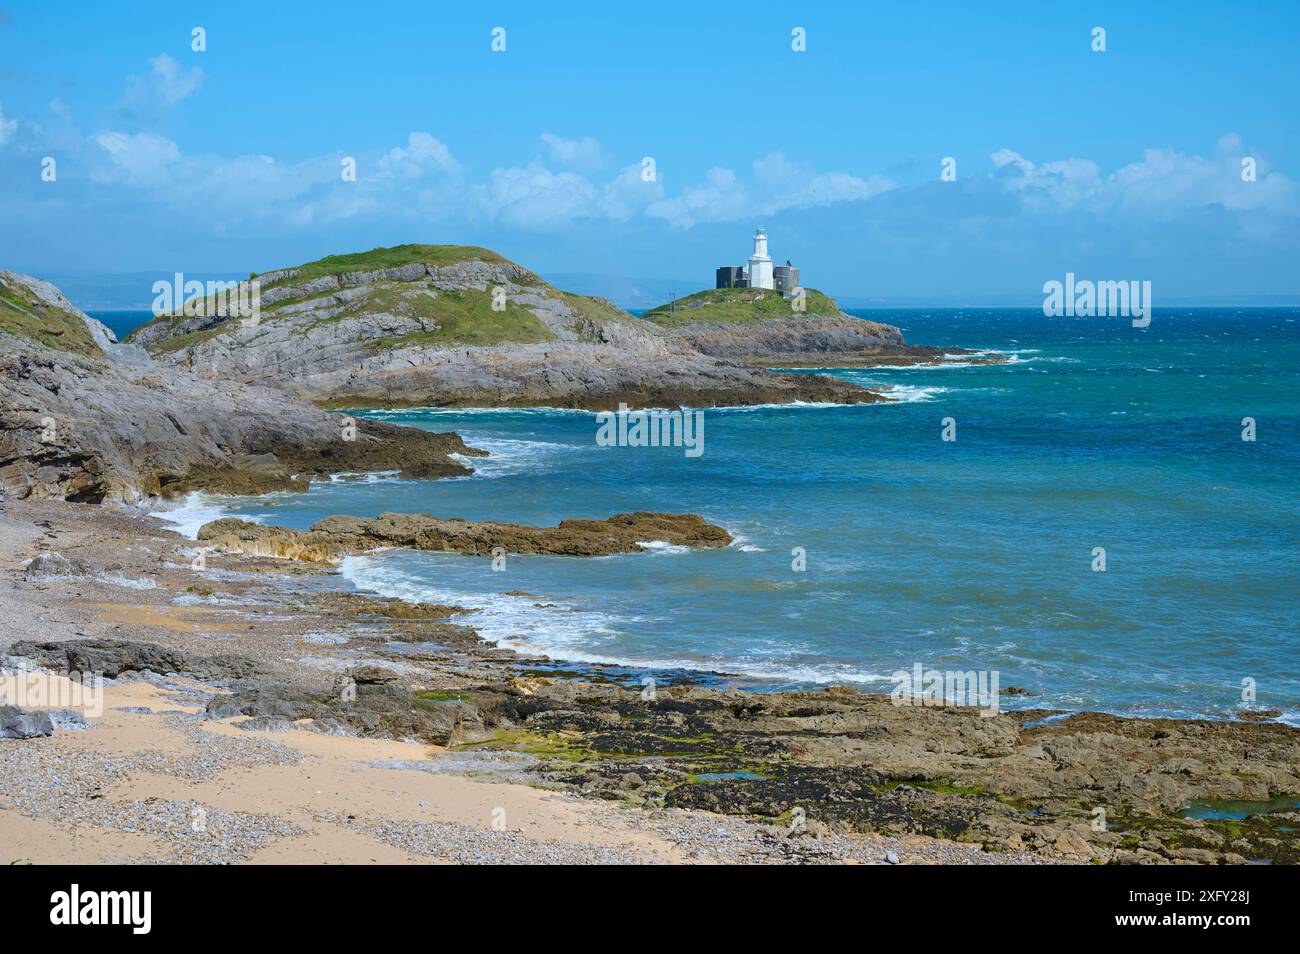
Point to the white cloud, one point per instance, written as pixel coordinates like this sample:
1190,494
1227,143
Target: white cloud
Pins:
1164,183
422,154
584,153
778,184
167,83
7,126
142,159
628,193
719,198
534,197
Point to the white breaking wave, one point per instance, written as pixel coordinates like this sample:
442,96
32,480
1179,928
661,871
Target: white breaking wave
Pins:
509,457
193,512
741,543
745,408
364,477
561,631
912,394
662,546
513,621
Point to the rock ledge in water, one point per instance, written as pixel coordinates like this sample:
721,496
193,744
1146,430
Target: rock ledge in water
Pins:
336,536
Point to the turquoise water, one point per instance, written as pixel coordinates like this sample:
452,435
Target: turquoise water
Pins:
975,554
1237,810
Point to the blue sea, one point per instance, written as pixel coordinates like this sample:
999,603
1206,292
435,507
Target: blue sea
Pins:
973,554
123,321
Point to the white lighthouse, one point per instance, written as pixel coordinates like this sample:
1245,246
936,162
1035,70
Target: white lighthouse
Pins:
760,265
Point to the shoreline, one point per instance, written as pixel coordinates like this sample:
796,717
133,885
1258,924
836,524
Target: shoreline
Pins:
790,775
128,787
682,670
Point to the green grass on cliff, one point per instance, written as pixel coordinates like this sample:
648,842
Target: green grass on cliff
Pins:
26,316
459,317
394,257
181,342
463,317
739,305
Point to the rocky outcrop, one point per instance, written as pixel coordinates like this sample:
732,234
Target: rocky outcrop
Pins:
336,536
460,327
757,327
851,760
16,723
89,430
113,657
99,421
367,702
54,566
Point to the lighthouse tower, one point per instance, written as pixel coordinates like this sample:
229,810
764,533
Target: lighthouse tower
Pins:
760,265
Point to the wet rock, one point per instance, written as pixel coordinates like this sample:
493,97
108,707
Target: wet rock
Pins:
68,720
855,761
16,723
48,566
1072,843
381,709
373,676
1200,856
111,658
335,536
265,724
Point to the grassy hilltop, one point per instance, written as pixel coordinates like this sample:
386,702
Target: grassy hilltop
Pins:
438,312
738,305
378,258
24,315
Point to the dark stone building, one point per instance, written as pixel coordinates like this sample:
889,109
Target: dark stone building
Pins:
785,279
730,276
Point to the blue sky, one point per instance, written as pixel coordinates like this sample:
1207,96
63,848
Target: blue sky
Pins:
1123,164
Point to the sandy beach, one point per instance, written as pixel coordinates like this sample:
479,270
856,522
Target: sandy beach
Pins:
152,778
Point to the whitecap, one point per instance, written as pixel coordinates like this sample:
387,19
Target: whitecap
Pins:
563,631
365,477
511,456
909,394
662,546
742,408
193,512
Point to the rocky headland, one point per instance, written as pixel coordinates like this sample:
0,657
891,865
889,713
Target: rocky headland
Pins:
450,326
759,328
85,418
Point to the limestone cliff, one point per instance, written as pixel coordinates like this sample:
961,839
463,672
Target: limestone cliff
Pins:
85,418
459,326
